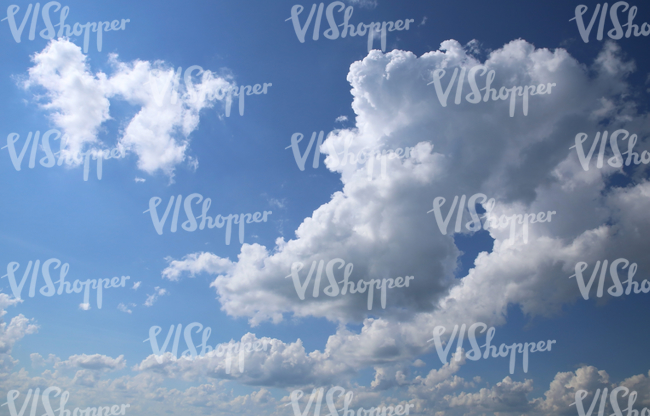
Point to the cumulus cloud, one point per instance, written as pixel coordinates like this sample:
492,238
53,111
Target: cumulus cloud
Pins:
79,100
381,226
16,329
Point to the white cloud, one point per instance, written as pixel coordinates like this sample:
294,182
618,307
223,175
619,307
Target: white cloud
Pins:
139,179
195,263
124,308
78,100
157,292
79,104
136,285
84,306
363,3
381,226
341,119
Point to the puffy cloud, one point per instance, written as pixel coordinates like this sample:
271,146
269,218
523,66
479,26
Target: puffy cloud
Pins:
381,225
194,264
77,98
15,330
169,109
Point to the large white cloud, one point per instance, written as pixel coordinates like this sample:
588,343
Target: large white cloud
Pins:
380,224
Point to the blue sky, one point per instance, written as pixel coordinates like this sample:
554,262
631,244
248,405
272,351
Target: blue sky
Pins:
100,227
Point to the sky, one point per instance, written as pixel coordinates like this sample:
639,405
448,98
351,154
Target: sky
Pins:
159,104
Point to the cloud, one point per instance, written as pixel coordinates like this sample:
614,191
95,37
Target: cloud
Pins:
95,362
194,264
136,285
381,225
341,119
370,4
157,292
78,102
77,99
124,308
278,203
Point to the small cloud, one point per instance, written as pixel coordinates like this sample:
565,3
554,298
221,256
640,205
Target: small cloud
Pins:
136,285
157,292
194,163
123,308
371,4
418,363
424,20
84,306
341,119
139,179
278,203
